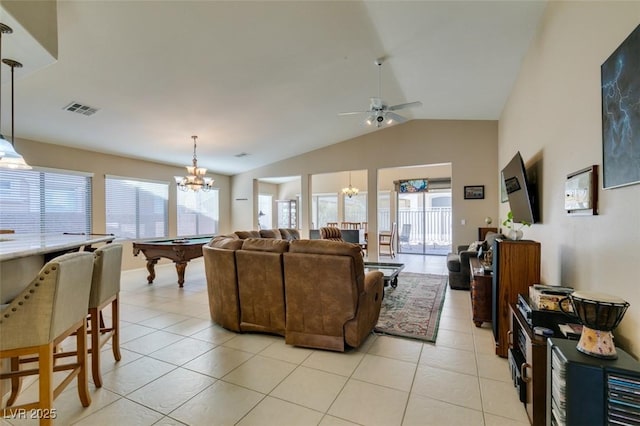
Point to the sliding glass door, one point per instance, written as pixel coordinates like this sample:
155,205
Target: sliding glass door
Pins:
424,222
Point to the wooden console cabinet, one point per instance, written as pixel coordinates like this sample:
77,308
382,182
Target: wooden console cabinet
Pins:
534,370
482,232
516,266
480,293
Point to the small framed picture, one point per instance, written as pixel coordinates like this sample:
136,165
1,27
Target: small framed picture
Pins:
475,192
581,192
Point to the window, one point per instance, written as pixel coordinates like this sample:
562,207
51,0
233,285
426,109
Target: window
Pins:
41,201
198,212
324,209
355,208
136,208
384,210
265,203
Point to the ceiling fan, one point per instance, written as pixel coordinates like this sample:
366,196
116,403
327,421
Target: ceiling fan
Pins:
379,112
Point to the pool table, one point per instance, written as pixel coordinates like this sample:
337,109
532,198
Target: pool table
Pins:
180,250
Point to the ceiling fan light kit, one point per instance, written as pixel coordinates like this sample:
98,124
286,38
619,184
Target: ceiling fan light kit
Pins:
379,112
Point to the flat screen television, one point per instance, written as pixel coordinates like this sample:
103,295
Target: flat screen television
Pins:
519,191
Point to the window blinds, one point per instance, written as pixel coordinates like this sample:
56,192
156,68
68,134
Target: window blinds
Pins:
42,201
198,212
136,208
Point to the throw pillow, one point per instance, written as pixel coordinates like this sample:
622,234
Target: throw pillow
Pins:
474,246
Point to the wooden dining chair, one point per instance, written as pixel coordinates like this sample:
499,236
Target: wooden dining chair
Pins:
350,225
386,239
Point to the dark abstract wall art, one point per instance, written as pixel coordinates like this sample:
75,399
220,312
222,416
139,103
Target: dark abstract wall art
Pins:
620,75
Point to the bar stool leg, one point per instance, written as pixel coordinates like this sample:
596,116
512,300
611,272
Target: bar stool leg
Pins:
16,382
83,384
45,382
115,324
94,313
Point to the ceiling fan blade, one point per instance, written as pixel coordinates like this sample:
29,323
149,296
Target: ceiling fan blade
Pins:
402,106
394,117
354,112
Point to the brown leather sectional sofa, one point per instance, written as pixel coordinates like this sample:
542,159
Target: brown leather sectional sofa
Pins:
315,293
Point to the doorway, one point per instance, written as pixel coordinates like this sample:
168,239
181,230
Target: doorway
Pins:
424,222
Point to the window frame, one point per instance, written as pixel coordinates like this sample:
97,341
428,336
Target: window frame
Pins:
45,201
138,222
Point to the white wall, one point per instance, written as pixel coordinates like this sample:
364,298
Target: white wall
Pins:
470,147
553,117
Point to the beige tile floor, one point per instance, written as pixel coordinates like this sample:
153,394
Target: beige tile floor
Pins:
179,368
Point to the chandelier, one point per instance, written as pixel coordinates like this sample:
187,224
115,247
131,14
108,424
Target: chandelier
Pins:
350,191
9,157
196,179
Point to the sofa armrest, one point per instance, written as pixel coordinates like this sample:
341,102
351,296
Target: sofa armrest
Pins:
462,248
373,281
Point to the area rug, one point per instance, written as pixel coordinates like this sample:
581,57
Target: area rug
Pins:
413,308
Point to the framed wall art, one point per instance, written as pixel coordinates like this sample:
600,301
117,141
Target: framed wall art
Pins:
581,192
620,82
474,192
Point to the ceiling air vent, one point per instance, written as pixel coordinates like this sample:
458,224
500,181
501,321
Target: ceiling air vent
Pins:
81,109
242,154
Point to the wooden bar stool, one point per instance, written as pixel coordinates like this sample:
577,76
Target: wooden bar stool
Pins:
52,307
105,291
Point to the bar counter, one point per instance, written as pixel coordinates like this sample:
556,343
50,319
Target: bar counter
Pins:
23,255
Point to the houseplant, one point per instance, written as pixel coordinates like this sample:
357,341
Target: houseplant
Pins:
515,229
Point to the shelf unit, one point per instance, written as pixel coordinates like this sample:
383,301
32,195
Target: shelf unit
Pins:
532,350
589,390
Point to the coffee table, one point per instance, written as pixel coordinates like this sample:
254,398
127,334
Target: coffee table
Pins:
390,271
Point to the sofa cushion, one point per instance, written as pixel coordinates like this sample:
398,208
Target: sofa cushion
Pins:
247,234
229,242
266,244
270,233
289,234
325,247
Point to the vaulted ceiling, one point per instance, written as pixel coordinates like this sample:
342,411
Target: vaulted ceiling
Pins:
265,78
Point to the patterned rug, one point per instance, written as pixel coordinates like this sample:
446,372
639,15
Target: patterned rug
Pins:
413,308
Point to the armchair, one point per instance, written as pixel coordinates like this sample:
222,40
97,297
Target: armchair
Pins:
459,269
330,301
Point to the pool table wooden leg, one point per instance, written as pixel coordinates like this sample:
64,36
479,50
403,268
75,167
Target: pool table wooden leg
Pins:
180,267
152,271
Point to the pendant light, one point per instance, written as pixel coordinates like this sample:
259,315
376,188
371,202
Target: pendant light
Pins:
350,191
9,158
196,179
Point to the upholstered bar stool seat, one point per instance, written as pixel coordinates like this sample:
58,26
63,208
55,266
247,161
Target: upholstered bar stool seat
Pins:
52,307
105,291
